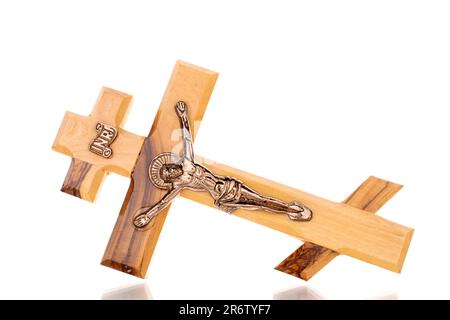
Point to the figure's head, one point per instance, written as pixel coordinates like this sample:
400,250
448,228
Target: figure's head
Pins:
170,171
164,170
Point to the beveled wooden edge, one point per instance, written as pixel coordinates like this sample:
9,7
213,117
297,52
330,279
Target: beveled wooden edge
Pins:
112,113
310,258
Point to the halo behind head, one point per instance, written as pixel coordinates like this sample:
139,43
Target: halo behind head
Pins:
154,170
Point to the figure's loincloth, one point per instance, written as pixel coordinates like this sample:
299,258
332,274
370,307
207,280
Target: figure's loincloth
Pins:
228,194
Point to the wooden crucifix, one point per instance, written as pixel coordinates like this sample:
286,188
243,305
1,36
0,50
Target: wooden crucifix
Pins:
163,165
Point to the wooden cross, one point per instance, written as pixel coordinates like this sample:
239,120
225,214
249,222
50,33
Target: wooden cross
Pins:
98,145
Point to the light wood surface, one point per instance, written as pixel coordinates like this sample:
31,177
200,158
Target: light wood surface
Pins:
88,170
129,249
336,226
310,258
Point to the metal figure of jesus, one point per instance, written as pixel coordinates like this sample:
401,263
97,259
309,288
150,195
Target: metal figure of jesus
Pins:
175,173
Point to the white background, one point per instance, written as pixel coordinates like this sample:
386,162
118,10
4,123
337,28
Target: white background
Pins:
319,95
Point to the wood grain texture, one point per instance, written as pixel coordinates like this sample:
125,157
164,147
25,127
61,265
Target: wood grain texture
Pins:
88,170
75,176
129,249
337,226
310,258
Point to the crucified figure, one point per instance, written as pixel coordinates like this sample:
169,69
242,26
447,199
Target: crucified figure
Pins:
173,173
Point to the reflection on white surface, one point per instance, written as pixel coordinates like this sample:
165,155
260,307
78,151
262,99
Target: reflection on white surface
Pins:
142,292
391,296
306,293
300,293
135,292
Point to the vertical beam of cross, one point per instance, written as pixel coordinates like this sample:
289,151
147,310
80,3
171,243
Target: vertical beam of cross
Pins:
310,258
130,249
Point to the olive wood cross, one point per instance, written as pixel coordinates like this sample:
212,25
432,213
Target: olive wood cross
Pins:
98,145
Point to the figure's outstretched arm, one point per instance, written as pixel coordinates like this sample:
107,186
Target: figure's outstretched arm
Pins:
182,111
145,215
